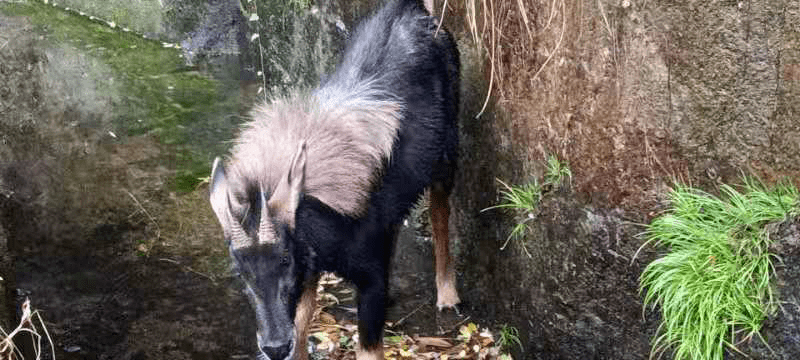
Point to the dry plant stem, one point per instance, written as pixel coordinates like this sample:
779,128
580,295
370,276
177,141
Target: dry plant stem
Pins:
522,244
7,346
605,18
558,44
472,21
524,14
491,57
462,322
441,19
611,35
260,54
649,150
552,15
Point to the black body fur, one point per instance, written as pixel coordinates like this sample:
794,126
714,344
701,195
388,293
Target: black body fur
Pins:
398,46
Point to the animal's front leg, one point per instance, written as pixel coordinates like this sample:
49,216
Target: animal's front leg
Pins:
302,318
371,316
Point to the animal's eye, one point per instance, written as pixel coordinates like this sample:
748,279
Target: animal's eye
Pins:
285,257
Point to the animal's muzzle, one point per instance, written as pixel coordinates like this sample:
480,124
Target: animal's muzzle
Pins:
280,352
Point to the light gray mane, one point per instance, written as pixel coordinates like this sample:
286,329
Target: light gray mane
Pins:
349,134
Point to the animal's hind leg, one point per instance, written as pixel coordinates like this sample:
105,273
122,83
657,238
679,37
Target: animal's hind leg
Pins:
446,294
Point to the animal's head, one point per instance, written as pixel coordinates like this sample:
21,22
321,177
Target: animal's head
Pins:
258,224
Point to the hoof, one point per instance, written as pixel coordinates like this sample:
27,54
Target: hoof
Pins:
375,354
447,296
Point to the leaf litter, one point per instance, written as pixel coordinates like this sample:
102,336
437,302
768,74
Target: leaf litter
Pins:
333,338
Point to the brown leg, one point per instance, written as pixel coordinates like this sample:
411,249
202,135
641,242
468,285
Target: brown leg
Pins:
446,294
302,319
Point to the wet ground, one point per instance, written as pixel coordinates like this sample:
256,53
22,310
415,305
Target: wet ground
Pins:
135,308
109,303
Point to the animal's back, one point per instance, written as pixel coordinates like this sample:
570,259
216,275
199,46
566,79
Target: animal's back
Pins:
399,53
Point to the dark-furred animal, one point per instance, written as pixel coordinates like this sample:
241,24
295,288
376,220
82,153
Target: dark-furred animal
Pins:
321,180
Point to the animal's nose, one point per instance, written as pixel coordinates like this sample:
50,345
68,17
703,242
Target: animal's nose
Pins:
278,352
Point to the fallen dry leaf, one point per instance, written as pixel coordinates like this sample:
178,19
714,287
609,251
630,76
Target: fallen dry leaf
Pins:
337,339
425,341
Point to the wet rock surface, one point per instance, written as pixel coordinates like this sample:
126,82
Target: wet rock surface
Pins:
63,188
136,308
575,288
634,96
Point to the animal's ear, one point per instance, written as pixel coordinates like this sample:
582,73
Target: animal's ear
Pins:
218,192
297,174
287,195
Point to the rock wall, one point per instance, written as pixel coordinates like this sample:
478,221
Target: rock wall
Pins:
55,127
633,95
297,42
733,86
17,98
144,16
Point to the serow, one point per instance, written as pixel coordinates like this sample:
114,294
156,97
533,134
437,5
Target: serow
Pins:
320,181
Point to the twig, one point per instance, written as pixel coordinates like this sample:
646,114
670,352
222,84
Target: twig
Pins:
189,269
462,322
613,38
158,228
522,243
408,315
472,22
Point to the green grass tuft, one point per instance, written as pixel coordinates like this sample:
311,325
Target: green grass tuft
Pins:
556,171
713,286
508,337
521,197
526,197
